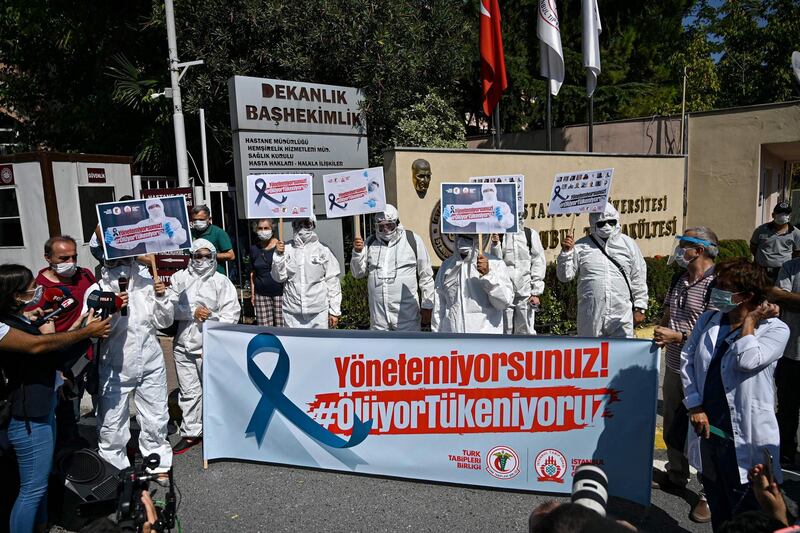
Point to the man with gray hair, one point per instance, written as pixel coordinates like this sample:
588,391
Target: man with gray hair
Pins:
688,297
202,228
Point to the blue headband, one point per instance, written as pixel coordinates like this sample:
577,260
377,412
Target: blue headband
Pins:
694,240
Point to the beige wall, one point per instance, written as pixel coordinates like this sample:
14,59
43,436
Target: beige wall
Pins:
655,135
641,183
725,164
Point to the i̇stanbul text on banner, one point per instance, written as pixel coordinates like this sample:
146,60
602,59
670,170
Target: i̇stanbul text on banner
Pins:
505,412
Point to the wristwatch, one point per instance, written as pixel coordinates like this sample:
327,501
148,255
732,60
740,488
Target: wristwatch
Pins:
684,336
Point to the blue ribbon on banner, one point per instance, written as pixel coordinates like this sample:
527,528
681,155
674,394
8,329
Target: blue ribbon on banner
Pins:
272,399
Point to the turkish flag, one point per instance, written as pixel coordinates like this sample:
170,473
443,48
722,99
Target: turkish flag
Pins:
493,64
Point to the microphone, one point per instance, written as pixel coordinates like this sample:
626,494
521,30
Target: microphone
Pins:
123,287
104,303
52,297
66,305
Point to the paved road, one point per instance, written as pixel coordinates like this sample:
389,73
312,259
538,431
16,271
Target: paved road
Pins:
239,496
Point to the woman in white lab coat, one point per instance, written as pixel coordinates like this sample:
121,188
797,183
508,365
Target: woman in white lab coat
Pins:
727,368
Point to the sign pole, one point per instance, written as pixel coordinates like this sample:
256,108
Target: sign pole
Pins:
357,220
280,229
480,244
154,267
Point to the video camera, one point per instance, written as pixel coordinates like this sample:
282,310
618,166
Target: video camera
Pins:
131,513
131,483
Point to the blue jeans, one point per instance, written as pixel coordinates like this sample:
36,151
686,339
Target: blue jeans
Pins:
34,452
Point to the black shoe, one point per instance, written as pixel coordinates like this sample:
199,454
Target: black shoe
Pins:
185,444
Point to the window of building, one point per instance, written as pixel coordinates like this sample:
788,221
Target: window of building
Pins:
88,198
10,222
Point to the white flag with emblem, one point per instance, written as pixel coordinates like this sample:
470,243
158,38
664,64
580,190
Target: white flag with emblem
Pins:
591,43
552,56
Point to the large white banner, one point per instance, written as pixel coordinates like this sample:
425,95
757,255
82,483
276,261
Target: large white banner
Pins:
279,196
584,191
499,411
357,192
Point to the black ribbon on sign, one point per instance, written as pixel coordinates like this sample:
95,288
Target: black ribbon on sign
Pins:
261,189
332,200
557,193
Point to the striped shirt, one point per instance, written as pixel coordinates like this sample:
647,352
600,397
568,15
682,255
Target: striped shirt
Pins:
685,303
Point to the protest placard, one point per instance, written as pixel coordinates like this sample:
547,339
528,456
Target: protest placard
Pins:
519,179
479,208
137,227
585,191
279,196
509,412
170,262
356,192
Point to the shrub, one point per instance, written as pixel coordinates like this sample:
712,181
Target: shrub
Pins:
730,248
355,303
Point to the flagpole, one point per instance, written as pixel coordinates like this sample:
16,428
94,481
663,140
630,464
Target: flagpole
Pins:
591,123
496,122
549,119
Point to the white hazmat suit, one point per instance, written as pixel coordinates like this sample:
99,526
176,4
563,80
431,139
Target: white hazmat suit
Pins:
198,285
467,302
392,269
527,266
310,274
604,301
131,360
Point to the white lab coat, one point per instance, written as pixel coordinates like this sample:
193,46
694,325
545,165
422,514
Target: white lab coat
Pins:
467,302
604,302
392,270
188,290
527,268
747,374
311,290
131,360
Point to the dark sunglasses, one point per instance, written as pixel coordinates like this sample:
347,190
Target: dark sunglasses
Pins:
602,223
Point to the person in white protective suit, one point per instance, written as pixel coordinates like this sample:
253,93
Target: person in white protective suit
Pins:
174,232
312,294
503,217
397,266
612,277
131,360
523,254
472,291
198,293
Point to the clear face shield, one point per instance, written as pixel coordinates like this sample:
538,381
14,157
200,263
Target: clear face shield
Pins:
686,242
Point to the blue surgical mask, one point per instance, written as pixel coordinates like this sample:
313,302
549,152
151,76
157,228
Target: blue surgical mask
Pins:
723,300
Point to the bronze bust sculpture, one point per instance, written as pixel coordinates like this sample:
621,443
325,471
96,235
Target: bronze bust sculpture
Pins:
421,176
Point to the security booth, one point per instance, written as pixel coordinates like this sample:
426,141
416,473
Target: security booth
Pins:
44,194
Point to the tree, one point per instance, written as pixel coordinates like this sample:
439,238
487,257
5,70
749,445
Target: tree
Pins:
430,122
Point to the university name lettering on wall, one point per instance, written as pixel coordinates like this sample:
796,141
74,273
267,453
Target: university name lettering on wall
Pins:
643,228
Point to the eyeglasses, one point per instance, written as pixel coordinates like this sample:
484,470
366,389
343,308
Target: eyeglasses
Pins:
602,223
387,226
202,256
307,224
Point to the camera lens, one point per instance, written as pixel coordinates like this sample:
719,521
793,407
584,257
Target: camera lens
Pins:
590,488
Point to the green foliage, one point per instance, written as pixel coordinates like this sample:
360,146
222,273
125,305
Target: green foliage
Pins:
355,303
659,279
431,122
730,248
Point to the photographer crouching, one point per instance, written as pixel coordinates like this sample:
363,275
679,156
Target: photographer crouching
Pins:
29,362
